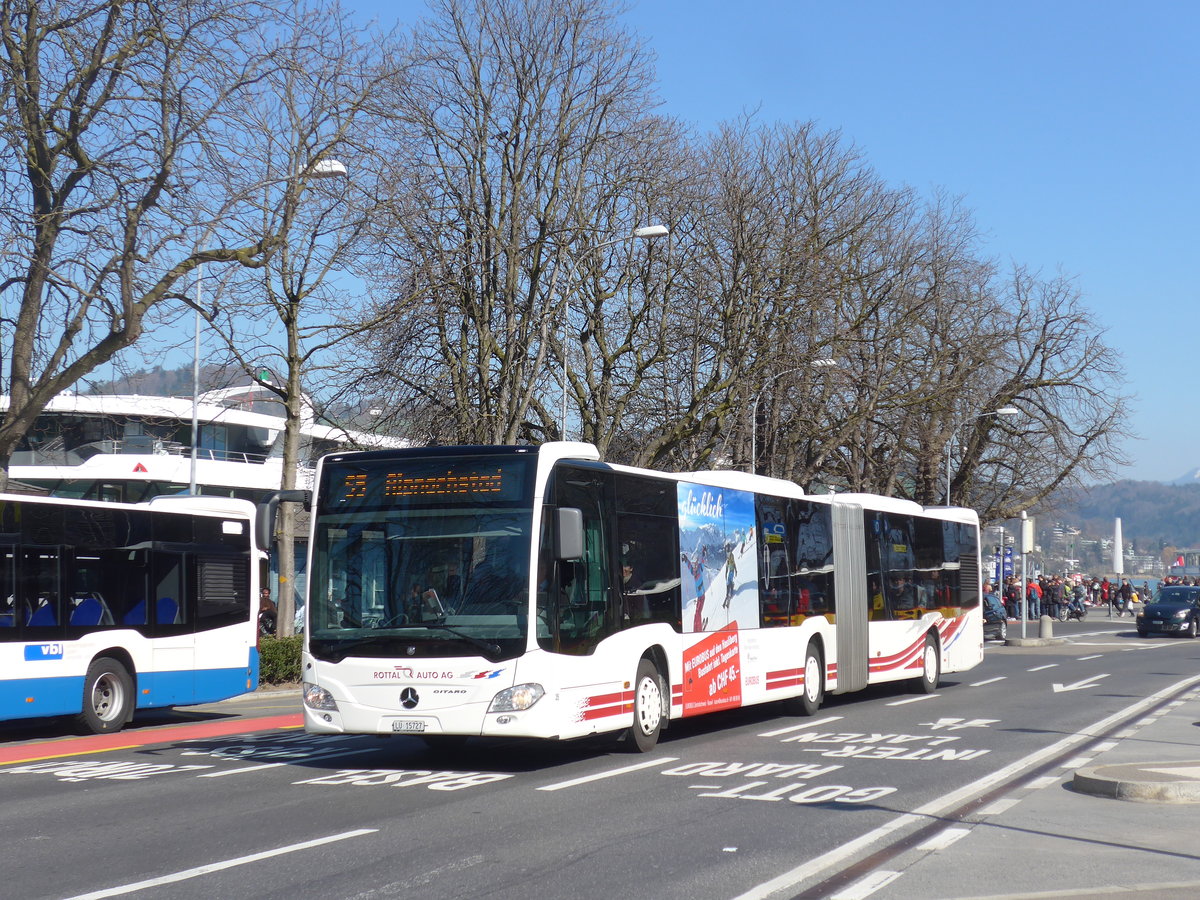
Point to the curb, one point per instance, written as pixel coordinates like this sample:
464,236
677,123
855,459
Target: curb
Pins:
1149,782
1034,642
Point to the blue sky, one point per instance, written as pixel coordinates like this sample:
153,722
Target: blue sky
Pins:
1070,128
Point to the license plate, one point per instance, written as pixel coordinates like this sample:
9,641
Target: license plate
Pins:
1156,621
408,725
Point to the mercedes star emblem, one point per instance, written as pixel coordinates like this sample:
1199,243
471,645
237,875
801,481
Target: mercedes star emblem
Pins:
409,698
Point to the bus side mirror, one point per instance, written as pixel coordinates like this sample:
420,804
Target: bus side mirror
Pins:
568,533
264,519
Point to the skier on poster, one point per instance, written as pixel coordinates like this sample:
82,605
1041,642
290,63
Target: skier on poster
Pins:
730,572
695,565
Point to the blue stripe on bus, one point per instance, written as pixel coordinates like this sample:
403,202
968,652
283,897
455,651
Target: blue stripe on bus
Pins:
25,698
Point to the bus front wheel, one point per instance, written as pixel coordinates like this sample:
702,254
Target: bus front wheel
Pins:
107,697
647,707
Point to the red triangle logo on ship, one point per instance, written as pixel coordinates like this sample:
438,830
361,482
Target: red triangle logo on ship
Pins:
140,468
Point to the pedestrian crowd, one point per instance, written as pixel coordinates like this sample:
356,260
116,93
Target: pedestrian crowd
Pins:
1047,594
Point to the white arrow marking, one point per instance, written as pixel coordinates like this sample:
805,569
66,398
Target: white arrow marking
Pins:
1079,685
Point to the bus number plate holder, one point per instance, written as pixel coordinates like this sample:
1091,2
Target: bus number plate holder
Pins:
408,725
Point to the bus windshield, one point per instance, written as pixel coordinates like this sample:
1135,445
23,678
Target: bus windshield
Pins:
422,557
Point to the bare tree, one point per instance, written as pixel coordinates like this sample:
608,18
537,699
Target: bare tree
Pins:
498,130
113,113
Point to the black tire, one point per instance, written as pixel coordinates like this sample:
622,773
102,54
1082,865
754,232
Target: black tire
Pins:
647,708
108,697
810,700
1142,632
931,667
1193,629
1062,613
1002,631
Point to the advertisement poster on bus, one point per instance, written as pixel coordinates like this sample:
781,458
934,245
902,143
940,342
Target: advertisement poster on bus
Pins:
712,673
718,559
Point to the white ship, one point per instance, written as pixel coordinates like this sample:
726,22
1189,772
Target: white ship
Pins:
129,447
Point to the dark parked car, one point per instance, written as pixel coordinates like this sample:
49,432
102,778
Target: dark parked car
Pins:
1175,609
995,621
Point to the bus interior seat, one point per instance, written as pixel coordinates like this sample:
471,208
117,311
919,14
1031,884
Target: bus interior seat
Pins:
136,615
42,616
91,611
168,611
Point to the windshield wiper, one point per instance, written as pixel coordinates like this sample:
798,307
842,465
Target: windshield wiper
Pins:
486,646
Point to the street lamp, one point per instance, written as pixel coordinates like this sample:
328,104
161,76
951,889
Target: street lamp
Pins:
814,364
322,168
639,234
1002,411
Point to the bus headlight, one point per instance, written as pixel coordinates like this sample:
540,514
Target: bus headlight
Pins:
316,697
517,698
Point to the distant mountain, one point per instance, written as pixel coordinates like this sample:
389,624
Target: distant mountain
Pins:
1152,513
1192,477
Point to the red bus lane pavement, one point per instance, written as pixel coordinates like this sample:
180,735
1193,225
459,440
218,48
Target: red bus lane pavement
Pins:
56,748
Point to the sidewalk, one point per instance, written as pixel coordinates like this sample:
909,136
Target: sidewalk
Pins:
1068,835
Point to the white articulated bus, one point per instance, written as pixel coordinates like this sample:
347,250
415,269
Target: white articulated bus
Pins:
110,607
539,592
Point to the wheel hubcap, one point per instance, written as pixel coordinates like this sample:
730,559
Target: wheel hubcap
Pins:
106,698
649,705
812,678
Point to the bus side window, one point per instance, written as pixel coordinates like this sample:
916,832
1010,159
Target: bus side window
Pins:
8,588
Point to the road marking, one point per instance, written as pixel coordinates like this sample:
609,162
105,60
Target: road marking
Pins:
989,681
1093,656
1044,782
855,847
1000,806
944,838
913,699
1078,762
867,886
612,773
1078,685
278,765
218,866
809,724
1039,668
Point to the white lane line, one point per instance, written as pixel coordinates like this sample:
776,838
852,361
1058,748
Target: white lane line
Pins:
277,765
1078,762
218,866
1000,806
1045,781
865,887
944,838
1093,656
1040,668
854,848
611,773
913,699
989,681
810,724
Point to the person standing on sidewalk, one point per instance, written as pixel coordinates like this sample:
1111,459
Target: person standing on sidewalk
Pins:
1033,596
1124,596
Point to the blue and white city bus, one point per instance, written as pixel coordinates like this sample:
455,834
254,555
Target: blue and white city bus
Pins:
539,592
106,608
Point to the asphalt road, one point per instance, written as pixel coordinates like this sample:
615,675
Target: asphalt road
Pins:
736,805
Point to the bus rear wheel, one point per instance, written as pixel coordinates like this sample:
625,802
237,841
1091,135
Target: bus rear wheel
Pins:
931,667
809,701
107,697
647,707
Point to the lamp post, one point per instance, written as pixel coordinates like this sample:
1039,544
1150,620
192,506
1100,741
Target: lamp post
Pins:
323,168
1003,411
814,364
643,233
